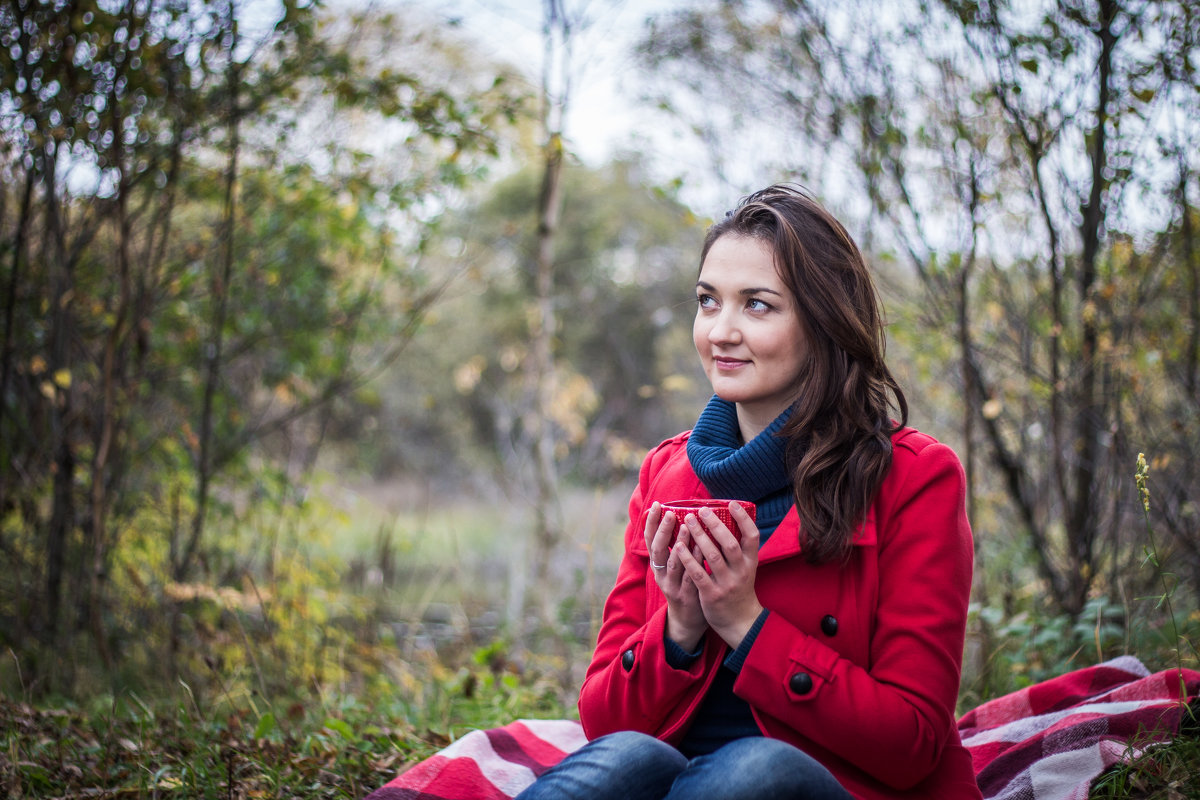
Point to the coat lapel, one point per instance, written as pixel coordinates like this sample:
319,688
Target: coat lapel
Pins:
785,541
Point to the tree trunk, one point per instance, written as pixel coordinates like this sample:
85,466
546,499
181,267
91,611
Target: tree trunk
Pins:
548,525
1191,265
19,257
1090,415
107,423
547,513
62,515
223,274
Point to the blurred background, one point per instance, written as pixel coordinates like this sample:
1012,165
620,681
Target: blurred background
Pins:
334,333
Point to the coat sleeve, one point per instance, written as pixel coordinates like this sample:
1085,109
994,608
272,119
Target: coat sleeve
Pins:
893,716
629,685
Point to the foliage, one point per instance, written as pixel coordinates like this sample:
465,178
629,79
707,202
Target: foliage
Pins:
1033,166
1022,639
304,677
1151,769
192,278
626,369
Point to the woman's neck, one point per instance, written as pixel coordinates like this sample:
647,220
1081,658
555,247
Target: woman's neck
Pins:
752,421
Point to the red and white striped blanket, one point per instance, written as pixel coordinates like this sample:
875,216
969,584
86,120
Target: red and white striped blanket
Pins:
1049,741
1045,742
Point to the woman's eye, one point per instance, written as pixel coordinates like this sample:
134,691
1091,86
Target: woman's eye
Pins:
706,300
754,304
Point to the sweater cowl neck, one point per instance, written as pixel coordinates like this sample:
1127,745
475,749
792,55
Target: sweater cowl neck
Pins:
733,470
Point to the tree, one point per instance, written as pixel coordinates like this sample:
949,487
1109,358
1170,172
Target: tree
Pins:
1013,159
184,284
97,105
555,99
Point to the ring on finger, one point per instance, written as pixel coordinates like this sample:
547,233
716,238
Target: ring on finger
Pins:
657,566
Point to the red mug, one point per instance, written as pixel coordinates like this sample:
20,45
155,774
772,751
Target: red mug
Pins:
681,508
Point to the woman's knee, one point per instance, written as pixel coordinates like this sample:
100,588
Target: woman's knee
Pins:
621,766
627,749
758,767
763,753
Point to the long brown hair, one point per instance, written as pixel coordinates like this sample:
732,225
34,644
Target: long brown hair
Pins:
839,445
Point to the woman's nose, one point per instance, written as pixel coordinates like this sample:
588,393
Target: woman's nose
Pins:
724,329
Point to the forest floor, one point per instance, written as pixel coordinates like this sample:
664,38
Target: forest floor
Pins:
133,751
343,751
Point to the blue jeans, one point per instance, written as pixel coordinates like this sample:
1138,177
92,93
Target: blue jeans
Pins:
635,766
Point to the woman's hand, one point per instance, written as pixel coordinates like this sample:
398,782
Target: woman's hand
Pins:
727,597
685,618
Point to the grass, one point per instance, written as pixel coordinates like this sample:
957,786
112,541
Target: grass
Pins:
1151,769
124,747
1166,772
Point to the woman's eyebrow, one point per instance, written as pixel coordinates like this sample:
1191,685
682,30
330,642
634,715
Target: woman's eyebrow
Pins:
752,290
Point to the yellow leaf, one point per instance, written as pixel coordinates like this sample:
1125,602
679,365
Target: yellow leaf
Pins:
37,365
62,377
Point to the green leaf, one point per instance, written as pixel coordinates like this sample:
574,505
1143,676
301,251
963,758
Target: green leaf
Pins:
341,728
266,724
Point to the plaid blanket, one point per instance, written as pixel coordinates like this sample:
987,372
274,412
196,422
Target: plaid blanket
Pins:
1045,742
494,764
1049,741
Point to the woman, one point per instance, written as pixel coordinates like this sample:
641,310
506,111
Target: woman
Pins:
820,656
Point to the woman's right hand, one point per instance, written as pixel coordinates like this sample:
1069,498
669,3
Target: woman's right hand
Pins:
685,616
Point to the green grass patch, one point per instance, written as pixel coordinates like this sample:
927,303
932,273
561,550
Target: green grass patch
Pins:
1168,771
341,747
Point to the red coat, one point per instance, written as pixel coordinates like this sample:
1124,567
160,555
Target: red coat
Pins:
858,663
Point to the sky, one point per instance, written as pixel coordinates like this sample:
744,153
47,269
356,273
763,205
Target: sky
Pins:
603,116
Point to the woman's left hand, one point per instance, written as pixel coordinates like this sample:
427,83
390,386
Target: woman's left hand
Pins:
726,589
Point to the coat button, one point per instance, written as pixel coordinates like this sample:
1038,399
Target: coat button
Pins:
829,625
627,660
801,683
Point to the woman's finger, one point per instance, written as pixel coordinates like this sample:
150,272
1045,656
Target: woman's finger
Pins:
748,529
660,546
653,517
721,535
692,566
710,550
659,527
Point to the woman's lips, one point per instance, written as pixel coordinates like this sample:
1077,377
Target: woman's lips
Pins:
729,363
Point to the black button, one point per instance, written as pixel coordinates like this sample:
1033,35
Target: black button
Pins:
801,683
627,660
829,625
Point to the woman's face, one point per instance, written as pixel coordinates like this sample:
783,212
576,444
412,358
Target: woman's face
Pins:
747,330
